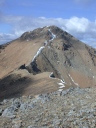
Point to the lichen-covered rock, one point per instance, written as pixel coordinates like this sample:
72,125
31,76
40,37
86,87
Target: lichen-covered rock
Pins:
74,107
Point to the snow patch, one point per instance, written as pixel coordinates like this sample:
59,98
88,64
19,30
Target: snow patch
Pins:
53,35
73,80
62,86
60,90
50,76
62,81
38,52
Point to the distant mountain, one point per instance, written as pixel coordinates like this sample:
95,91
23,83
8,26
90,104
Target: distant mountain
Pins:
44,60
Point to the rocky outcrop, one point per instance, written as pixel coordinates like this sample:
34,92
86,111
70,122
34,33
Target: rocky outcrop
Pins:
73,107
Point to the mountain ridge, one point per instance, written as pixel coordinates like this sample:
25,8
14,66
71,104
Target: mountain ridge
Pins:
43,51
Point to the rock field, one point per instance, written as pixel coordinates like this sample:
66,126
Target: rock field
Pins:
71,108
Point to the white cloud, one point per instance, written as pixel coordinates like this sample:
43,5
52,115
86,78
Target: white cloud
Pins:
82,28
77,24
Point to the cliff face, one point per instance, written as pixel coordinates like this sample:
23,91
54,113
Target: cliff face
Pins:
32,57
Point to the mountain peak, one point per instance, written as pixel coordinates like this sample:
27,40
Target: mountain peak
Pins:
47,50
45,32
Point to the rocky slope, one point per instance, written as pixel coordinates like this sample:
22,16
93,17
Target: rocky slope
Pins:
27,62
73,108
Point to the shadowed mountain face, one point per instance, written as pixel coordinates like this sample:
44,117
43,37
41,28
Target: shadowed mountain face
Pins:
44,50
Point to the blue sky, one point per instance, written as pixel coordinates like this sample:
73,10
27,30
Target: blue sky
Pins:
78,17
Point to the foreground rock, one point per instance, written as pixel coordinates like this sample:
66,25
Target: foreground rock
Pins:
73,108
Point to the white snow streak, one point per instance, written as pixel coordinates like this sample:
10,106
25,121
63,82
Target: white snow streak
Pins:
73,80
51,77
53,36
62,81
38,52
46,42
60,90
60,84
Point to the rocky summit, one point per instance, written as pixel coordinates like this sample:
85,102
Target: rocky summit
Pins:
71,108
47,80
